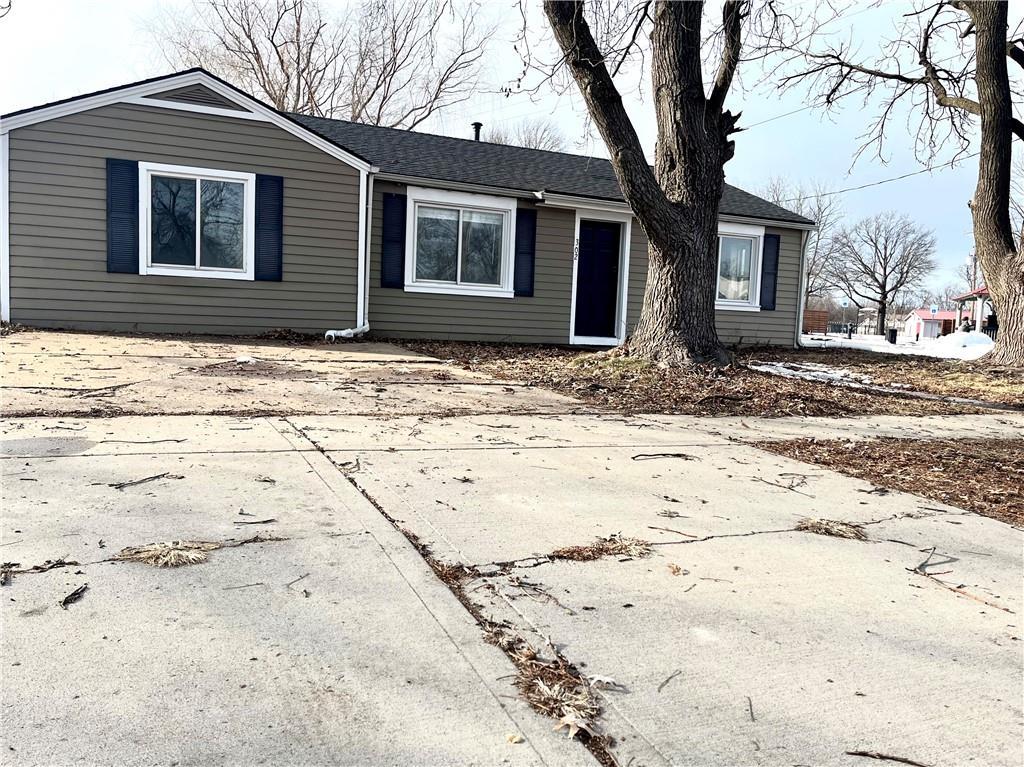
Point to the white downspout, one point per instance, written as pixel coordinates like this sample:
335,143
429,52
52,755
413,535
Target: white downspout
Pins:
362,266
5,227
805,238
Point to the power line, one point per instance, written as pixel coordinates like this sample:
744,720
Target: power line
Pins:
888,180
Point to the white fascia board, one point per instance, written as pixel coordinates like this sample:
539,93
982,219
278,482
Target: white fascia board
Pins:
581,203
132,94
181,106
764,222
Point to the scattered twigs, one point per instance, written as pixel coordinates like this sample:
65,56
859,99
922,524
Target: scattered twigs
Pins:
9,569
139,441
886,757
670,530
74,596
750,709
268,521
153,478
792,486
960,591
655,456
669,678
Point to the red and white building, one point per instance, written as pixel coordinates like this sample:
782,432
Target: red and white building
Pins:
921,323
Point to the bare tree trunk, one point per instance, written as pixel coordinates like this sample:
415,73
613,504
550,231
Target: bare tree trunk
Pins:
883,311
999,254
677,205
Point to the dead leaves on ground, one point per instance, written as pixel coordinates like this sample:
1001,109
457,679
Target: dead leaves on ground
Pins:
833,527
614,545
630,385
983,476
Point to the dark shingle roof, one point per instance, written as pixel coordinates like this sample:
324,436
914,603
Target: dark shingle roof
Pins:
444,158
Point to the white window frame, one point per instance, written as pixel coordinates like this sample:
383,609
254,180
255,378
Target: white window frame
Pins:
750,232
417,197
146,172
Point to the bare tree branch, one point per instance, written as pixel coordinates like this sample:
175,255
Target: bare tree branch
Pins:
534,134
392,64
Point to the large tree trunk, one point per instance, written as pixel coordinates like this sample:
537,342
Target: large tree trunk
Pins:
677,205
883,313
1001,258
677,323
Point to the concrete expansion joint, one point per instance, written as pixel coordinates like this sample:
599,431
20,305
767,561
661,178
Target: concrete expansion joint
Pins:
507,638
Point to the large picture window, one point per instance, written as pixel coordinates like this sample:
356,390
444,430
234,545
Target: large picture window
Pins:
739,265
196,222
459,243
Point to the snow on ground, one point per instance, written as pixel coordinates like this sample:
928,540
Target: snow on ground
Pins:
961,346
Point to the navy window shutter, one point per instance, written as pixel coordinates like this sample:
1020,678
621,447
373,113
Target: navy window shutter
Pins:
769,271
392,241
269,245
122,216
526,247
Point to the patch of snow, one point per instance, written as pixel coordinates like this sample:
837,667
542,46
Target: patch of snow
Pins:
961,346
245,360
965,346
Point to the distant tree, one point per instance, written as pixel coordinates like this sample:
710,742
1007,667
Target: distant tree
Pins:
878,258
533,134
813,202
386,63
943,298
947,65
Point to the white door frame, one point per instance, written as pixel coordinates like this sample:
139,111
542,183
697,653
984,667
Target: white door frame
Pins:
625,238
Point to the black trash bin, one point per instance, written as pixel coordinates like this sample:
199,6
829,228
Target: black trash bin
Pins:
891,333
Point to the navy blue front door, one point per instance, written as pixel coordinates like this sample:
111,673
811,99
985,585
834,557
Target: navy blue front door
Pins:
597,279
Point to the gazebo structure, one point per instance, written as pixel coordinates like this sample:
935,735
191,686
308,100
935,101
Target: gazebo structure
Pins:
982,313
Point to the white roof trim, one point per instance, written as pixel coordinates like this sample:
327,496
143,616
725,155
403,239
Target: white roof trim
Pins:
132,94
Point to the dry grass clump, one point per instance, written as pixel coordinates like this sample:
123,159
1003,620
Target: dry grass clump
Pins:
614,545
551,686
614,381
834,527
168,554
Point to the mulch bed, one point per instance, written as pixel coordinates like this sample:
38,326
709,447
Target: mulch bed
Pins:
627,385
983,476
947,378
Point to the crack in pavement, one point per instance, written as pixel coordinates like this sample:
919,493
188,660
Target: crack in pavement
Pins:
597,744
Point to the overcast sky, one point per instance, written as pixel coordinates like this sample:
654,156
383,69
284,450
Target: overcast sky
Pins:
52,49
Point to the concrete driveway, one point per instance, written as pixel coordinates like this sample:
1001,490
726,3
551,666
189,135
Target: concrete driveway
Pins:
329,639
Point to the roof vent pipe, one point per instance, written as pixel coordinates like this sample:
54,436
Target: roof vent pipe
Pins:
476,130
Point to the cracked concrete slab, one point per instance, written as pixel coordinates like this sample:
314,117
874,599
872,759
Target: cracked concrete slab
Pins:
739,640
1002,425
837,643
333,645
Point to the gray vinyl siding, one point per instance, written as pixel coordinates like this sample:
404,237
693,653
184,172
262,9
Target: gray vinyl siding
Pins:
776,327
58,226
199,95
544,318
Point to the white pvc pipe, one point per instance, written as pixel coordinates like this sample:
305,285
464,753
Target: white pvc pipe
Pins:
332,336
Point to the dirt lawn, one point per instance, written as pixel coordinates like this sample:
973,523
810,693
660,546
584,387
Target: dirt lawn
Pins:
630,386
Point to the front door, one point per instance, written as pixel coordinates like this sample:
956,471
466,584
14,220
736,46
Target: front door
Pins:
597,279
